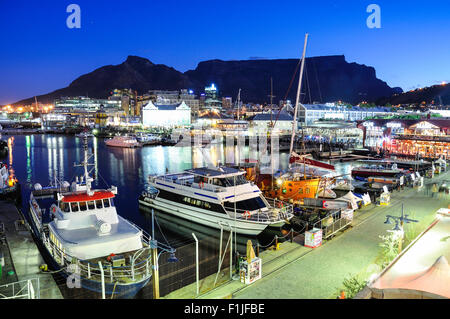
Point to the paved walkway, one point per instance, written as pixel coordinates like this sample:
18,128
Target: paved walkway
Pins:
25,257
298,272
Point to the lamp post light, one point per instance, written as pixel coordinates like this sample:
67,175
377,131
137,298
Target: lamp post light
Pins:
399,228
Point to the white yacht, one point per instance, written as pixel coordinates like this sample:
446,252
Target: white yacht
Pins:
216,197
123,141
83,230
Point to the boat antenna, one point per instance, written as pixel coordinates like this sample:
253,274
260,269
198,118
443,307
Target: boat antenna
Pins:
300,77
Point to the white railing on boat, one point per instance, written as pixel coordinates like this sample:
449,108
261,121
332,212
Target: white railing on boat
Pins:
278,211
138,266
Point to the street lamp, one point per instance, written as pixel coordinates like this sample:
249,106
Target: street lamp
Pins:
399,220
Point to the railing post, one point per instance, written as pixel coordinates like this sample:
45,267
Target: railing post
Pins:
111,272
292,235
257,249
89,269
276,242
196,263
103,279
132,268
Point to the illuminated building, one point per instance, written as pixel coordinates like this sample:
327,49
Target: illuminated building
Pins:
212,98
309,113
264,122
82,103
157,115
227,102
166,97
427,137
127,98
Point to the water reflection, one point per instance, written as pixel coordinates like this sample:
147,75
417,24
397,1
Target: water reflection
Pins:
41,158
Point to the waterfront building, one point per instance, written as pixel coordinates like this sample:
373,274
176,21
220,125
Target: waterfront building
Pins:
168,97
82,103
427,137
127,98
174,115
310,113
209,119
333,132
265,122
227,102
232,127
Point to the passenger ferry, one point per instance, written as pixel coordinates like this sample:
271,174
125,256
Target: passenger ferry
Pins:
83,234
216,197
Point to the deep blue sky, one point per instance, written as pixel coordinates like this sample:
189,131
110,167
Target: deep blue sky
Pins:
39,54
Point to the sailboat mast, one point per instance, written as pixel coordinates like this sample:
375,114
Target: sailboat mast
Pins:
238,103
85,165
297,100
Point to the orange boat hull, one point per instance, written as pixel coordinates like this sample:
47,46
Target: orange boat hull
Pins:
289,190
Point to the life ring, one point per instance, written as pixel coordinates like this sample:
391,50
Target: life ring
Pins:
53,209
247,214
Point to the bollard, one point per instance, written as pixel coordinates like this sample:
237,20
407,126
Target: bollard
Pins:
292,235
257,249
276,242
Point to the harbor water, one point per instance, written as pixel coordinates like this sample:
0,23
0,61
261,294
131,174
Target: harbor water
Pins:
43,158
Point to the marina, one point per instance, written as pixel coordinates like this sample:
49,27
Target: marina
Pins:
325,214
178,154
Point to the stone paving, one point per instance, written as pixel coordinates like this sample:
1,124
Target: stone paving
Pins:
297,272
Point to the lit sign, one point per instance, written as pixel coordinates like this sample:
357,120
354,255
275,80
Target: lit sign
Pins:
425,125
394,125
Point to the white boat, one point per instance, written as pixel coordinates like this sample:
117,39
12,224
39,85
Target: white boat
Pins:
216,197
148,139
84,134
123,141
83,233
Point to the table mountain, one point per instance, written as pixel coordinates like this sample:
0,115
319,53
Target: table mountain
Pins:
327,78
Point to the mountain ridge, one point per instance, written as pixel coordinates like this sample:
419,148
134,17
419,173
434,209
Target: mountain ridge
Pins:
326,79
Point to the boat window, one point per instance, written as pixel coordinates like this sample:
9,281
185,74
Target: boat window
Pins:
106,202
91,205
98,203
112,202
83,206
64,207
248,204
74,207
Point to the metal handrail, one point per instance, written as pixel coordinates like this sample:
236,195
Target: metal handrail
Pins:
141,269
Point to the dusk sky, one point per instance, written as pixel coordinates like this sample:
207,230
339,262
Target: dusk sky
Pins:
39,53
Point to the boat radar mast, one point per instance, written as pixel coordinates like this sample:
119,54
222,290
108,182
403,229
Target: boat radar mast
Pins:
85,165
